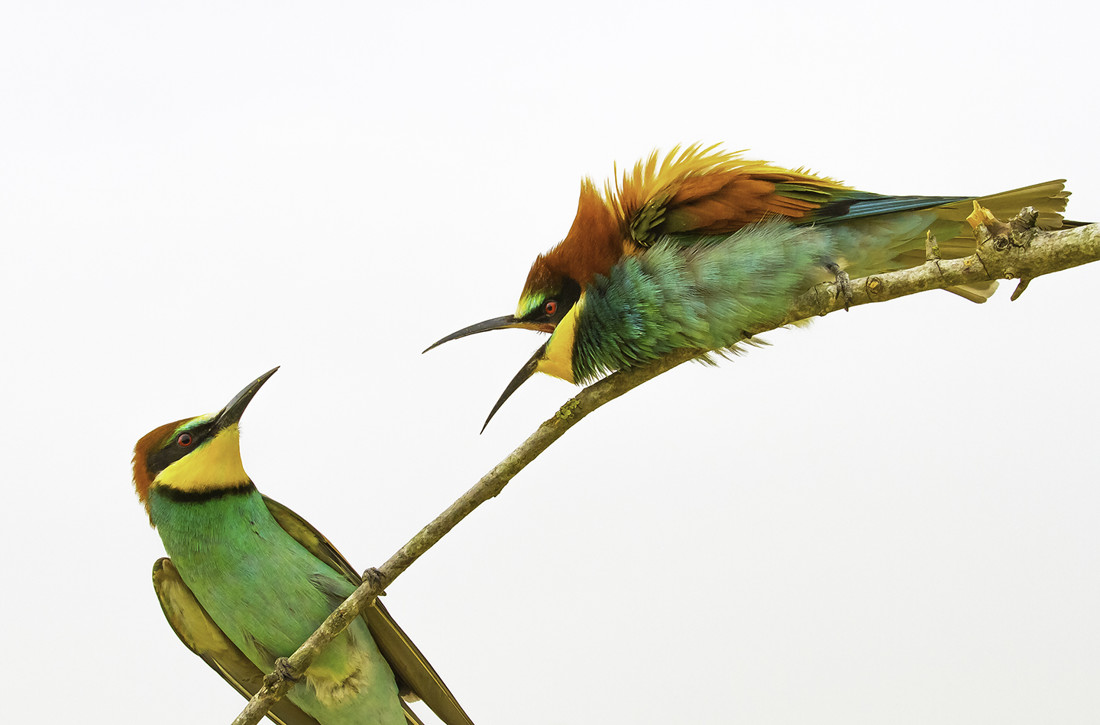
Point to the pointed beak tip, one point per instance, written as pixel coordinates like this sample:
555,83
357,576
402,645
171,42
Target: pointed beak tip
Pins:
529,368
232,412
496,323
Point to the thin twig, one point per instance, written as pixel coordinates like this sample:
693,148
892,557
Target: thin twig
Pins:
1021,253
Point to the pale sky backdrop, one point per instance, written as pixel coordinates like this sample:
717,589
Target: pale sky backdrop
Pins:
889,517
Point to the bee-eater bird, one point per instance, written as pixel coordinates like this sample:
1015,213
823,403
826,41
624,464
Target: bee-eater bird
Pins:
249,580
693,249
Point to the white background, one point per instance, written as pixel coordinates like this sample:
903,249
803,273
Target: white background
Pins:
888,517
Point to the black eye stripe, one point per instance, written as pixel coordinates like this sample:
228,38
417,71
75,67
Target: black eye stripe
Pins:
172,451
555,307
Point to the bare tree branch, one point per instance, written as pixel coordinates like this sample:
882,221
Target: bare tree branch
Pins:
1005,251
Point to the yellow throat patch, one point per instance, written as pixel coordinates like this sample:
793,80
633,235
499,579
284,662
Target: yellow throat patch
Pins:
214,465
558,359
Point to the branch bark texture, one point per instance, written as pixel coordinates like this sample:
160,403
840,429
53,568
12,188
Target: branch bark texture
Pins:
1005,251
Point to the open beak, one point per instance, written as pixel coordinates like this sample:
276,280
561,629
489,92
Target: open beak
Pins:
525,372
497,323
501,323
232,413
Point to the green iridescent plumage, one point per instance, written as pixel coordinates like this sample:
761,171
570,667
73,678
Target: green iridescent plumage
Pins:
268,594
249,580
703,295
690,249
703,292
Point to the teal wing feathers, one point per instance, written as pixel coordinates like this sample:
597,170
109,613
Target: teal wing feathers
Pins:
698,192
414,673
198,632
862,204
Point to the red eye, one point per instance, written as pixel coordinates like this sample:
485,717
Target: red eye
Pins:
184,440
550,307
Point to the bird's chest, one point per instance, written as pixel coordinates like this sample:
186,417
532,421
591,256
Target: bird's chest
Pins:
252,577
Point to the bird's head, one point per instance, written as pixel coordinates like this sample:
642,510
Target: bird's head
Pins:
553,294
195,455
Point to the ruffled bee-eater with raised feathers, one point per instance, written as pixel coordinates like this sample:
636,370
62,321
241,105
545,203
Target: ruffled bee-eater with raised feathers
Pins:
692,249
249,580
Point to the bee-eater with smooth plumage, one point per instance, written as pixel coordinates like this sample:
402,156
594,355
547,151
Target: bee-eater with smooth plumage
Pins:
692,250
249,580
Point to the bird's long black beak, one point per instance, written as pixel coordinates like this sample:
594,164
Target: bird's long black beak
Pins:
232,413
497,323
521,377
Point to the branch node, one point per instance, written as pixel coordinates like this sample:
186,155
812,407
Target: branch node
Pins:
565,412
988,228
874,286
931,247
1024,282
1025,221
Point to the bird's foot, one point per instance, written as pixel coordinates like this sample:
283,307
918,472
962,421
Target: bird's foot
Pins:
377,579
843,283
283,672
